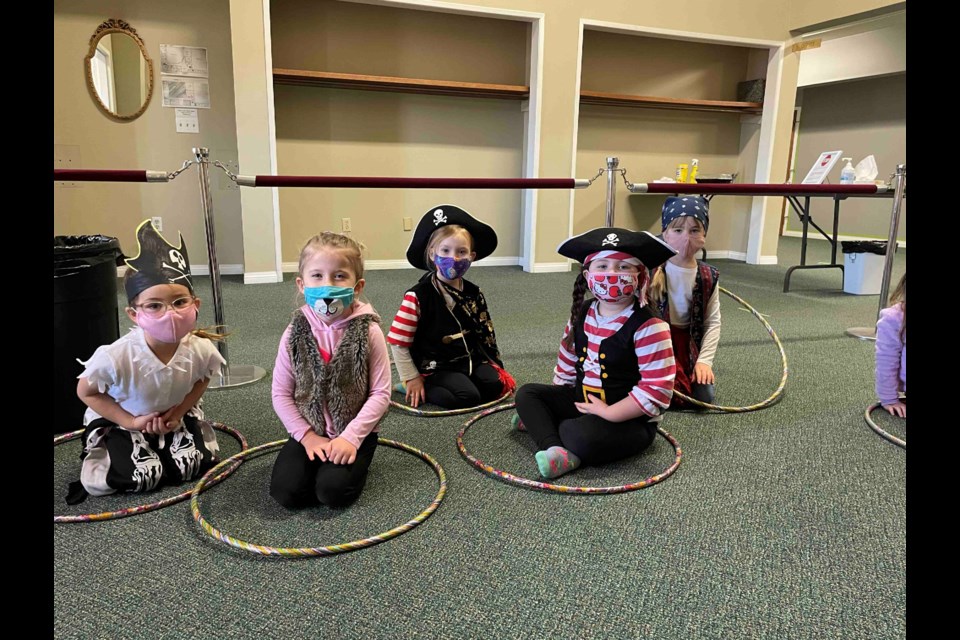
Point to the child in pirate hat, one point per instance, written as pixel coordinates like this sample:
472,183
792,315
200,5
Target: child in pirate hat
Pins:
143,424
615,368
442,338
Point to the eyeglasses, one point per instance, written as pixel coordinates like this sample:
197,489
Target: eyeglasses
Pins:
156,308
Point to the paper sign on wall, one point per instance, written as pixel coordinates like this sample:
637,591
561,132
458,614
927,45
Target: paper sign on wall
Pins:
188,121
821,168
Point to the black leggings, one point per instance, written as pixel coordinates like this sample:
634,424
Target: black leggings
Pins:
453,390
552,420
298,481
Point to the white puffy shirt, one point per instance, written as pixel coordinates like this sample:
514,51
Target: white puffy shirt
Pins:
680,283
129,372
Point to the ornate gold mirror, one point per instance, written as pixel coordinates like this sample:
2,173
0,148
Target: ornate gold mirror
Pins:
119,72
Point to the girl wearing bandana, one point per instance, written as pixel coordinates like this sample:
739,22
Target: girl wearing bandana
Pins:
686,296
331,380
442,337
143,424
615,368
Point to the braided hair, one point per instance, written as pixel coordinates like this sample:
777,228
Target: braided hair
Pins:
576,309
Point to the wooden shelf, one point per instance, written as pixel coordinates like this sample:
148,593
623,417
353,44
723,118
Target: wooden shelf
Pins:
400,85
651,102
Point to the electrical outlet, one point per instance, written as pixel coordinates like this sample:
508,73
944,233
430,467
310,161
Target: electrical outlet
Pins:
158,222
407,224
345,224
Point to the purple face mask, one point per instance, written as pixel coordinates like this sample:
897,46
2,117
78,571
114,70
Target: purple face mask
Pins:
451,268
171,327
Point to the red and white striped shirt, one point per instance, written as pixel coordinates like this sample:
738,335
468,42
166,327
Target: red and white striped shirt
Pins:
404,326
654,352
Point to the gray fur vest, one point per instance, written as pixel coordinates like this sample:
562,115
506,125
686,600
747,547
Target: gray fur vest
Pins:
343,383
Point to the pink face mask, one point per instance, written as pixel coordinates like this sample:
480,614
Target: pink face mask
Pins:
171,327
613,287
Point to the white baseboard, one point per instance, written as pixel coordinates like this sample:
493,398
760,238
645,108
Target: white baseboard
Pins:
262,277
814,235
727,255
550,267
767,260
379,265
201,270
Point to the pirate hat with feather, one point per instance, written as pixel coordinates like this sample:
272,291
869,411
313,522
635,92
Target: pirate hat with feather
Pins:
157,262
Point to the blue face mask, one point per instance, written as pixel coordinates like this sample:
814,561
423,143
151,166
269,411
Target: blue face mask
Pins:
329,302
451,268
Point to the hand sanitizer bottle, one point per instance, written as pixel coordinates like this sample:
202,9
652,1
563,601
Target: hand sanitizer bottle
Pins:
848,175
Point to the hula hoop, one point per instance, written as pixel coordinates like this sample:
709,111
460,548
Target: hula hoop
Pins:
153,506
448,412
783,364
883,434
509,478
300,552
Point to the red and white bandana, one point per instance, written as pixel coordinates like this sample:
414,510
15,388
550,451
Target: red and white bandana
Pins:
612,255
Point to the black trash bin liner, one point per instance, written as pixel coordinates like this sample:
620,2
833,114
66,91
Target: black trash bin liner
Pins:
84,315
878,247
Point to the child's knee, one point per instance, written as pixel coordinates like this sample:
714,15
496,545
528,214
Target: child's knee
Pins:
337,495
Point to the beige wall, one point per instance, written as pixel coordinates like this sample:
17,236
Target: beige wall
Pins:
340,132
344,37
651,142
126,74
323,131
861,118
822,12
151,141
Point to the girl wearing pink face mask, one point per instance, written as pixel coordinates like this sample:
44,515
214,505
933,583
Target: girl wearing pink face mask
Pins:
685,292
143,424
615,369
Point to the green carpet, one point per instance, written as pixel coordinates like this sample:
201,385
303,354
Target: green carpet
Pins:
782,523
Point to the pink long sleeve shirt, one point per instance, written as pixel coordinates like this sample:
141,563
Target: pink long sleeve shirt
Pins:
328,337
891,356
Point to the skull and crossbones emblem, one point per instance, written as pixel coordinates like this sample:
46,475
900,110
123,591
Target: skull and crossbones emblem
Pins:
177,258
610,239
438,217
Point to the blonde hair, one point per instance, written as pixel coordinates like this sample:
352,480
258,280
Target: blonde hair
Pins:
209,333
352,249
442,234
899,296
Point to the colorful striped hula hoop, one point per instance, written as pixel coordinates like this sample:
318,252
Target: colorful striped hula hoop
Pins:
783,363
153,506
883,434
509,478
301,552
448,412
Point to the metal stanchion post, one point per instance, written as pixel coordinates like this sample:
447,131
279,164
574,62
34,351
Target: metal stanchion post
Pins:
612,164
900,181
233,375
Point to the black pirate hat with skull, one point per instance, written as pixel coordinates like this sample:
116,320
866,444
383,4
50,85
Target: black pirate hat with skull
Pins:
157,262
484,237
614,242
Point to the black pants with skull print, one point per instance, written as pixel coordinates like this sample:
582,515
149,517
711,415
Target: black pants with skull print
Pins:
117,459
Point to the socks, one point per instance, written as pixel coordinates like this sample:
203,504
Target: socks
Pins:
518,423
556,461
399,388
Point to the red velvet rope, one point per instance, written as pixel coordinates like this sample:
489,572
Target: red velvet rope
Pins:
415,183
100,175
762,189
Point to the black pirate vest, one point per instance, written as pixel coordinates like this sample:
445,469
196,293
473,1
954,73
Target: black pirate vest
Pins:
703,287
446,339
342,383
617,355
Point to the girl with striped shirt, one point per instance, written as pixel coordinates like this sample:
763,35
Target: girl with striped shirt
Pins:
615,367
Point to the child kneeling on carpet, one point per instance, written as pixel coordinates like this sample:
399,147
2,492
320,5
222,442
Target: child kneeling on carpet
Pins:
331,380
143,424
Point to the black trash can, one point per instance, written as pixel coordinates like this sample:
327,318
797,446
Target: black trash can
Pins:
84,316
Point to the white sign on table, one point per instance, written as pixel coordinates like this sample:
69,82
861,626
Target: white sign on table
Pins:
822,167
